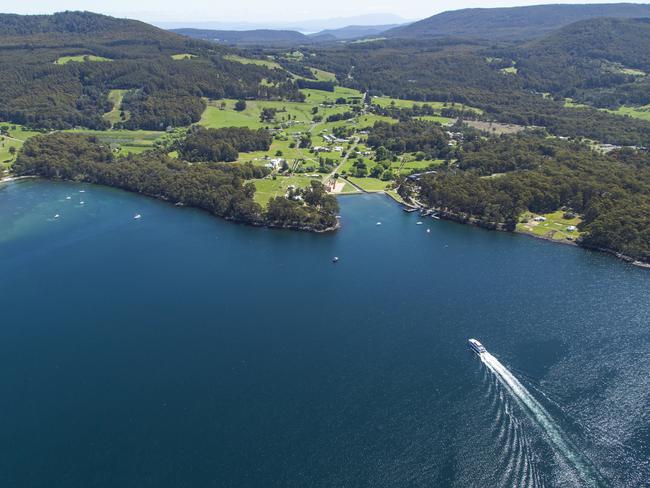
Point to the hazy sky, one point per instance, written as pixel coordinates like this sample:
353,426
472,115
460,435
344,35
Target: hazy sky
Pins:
259,10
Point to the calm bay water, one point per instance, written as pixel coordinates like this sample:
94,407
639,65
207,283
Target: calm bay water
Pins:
182,350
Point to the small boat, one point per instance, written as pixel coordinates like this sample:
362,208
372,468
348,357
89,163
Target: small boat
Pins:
409,209
378,223
418,223
137,216
476,346
81,202
335,259
82,191
435,216
56,216
68,198
428,231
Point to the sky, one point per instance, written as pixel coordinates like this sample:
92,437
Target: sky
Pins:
260,10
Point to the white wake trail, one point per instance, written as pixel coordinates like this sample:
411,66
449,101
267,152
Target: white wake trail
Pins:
542,417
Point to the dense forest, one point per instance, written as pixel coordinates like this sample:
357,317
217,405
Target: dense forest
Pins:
219,188
410,136
222,144
601,61
497,179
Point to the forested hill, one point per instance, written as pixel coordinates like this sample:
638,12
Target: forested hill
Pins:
603,62
249,37
57,72
512,23
624,41
82,27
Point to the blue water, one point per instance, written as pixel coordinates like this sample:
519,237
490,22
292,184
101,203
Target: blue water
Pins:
182,350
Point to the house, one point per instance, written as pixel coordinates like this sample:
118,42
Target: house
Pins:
274,163
539,218
572,228
338,149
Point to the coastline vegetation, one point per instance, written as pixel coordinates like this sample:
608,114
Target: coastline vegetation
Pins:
220,188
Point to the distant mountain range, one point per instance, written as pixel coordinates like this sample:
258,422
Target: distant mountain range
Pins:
497,24
284,37
351,32
516,23
304,26
248,38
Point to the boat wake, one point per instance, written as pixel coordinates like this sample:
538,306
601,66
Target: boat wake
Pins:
586,473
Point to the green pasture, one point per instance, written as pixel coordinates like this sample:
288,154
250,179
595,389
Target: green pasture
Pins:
116,96
260,62
268,188
555,226
81,58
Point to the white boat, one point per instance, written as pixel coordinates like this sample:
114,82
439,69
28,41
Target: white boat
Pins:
335,259
378,223
68,198
56,216
137,216
81,202
428,231
476,346
418,223
82,191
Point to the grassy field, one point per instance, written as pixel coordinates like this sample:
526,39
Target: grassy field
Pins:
126,141
642,113
178,57
80,59
322,75
370,184
16,138
509,70
260,62
399,103
409,166
568,102
555,226
113,116
268,187
438,119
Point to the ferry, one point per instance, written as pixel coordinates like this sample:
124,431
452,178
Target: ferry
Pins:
476,346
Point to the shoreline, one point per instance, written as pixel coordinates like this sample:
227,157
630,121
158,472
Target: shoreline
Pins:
268,225
462,219
7,179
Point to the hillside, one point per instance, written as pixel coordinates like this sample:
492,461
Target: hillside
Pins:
604,62
514,23
248,37
59,71
65,28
